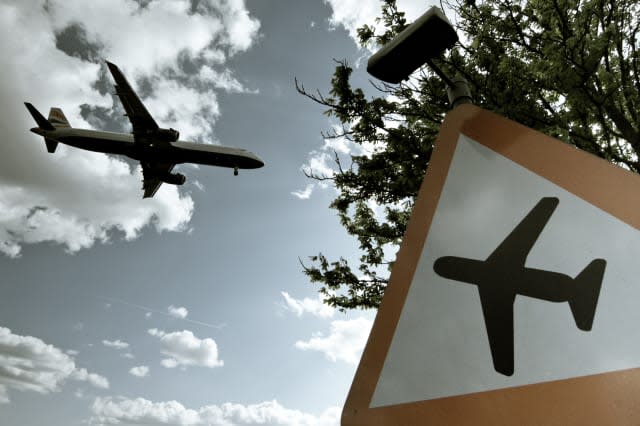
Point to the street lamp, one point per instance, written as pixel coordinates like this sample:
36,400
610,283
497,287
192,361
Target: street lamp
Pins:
426,38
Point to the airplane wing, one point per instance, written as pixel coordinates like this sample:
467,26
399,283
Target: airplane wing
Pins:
140,118
497,308
516,247
150,173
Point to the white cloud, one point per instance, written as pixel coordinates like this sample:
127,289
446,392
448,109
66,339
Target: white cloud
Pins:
169,362
305,193
189,109
120,410
117,344
180,312
82,375
29,364
345,341
314,307
127,355
164,27
139,371
341,144
198,184
73,197
222,80
320,164
352,14
184,349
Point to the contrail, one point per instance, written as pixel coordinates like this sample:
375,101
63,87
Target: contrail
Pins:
155,311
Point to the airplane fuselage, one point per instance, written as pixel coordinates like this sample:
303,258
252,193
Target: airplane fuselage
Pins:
160,152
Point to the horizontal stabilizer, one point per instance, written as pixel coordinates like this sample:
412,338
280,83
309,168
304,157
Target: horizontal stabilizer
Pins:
52,144
583,303
43,123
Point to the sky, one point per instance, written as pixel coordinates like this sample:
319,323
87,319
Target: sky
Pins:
189,308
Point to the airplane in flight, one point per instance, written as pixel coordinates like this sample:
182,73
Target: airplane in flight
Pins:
157,149
503,275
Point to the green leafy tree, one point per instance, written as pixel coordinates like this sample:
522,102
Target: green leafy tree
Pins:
567,68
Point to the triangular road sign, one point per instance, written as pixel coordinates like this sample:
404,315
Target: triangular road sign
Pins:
515,296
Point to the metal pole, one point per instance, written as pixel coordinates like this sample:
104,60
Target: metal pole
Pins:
459,92
457,89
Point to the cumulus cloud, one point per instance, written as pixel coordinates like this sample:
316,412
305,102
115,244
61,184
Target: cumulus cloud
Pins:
352,14
345,341
81,374
314,307
120,410
29,364
139,371
117,344
321,163
222,80
189,109
340,145
183,349
180,312
76,198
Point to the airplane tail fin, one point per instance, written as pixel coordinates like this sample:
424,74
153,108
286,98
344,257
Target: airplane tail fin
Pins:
584,302
57,118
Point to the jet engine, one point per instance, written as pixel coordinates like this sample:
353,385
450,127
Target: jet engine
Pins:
173,178
167,135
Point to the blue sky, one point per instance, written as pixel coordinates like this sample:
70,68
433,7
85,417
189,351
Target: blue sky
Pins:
190,308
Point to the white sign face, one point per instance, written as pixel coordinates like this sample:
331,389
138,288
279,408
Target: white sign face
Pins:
441,347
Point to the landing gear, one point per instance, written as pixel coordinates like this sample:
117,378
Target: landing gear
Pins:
235,171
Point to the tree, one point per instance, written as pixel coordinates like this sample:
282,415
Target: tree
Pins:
568,68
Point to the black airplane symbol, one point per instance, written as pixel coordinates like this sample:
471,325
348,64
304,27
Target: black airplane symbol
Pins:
503,275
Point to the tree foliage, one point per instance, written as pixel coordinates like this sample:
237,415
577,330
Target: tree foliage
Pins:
568,68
